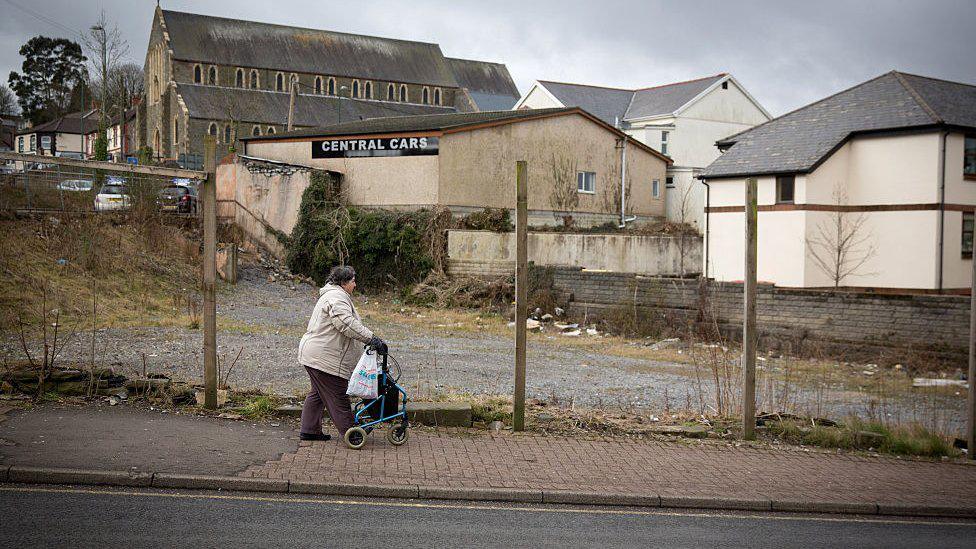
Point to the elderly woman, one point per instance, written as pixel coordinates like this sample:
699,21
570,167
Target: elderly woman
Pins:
329,351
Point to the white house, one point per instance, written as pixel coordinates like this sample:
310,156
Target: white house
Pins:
71,135
882,175
682,120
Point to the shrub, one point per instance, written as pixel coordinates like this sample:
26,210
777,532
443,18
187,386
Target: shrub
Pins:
489,219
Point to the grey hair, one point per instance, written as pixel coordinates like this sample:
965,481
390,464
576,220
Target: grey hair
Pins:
341,274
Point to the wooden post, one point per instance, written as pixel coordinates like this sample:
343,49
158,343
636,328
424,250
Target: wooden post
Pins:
521,279
749,339
971,397
209,198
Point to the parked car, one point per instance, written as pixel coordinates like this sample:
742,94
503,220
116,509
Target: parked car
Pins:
178,198
76,185
113,196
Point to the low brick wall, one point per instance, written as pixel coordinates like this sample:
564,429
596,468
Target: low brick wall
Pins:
786,317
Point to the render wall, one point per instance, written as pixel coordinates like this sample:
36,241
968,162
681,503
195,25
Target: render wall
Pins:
477,168
492,253
797,320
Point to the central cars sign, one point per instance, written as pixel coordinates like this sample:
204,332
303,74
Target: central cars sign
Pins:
365,148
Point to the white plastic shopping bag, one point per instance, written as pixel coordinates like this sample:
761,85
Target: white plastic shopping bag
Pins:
364,378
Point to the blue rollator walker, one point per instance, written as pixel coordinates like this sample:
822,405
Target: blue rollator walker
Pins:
385,408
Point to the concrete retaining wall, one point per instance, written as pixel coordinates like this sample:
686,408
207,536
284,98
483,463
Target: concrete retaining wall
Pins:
785,316
491,253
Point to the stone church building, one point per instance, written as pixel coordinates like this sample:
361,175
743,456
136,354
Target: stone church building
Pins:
232,78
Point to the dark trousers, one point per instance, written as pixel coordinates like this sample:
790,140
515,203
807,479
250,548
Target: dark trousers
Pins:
328,391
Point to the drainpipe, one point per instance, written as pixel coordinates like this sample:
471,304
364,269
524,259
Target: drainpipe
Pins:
942,202
708,224
623,180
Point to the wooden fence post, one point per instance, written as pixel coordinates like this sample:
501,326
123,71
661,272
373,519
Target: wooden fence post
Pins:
749,339
521,279
209,199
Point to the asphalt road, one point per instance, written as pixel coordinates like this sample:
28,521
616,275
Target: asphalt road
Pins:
37,516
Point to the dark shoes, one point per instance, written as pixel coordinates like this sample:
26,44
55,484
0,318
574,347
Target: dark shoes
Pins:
314,436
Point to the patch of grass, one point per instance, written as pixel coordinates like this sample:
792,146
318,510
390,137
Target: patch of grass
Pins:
907,440
259,407
488,409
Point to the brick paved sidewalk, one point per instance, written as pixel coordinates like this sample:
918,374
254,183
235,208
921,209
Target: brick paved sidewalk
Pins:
667,469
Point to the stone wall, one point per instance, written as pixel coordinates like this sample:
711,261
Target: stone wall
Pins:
791,318
490,253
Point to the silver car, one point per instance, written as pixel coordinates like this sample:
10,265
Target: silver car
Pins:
113,196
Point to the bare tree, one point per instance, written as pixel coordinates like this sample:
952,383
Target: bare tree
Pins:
8,102
564,196
125,83
106,49
842,245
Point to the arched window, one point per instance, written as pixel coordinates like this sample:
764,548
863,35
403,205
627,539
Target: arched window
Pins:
390,93
212,76
403,92
368,90
197,74
239,80
255,82
212,129
271,130
355,88
331,86
256,130
227,133
437,96
318,84
426,95
280,82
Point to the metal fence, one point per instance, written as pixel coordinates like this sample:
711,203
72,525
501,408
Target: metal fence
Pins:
30,183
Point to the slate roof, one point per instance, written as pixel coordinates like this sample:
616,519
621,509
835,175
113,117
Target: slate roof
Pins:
253,44
489,84
799,141
610,104
74,122
268,107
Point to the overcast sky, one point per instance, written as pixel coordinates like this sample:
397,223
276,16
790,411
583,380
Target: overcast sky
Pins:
786,53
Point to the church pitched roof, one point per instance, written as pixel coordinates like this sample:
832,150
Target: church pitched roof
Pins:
489,84
236,42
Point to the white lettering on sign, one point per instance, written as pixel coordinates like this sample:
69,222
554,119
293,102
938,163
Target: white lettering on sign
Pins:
388,146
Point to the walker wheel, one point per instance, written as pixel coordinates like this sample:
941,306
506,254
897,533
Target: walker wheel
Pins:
397,435
355,437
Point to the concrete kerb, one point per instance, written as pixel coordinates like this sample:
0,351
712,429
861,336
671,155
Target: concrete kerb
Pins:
40,475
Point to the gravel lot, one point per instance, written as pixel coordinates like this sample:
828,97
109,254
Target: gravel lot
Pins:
266,320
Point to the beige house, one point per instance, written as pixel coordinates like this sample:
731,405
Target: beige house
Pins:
874,187
577,166
682,120
72,135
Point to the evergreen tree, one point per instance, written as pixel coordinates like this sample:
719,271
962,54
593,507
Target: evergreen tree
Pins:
51,68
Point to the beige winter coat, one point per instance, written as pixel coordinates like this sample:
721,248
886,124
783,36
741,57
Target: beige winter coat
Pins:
335,336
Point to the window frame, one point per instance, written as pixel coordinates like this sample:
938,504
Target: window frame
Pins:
20,143
254,80
212,129
669,182
332,86
33,142
239,80
197,74
967,139
280,81
656,188
391,94
962,242
318,85
438,96
665,139
404,94
584,177
228,136
354,89
780,179
270,131
368,90
255,131
212,71
425,96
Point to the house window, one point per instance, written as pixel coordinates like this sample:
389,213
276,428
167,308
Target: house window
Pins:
255,81
33,142
725,85
669,182
280,82
212,76
784,189
656,188
355,88
20,144
197,74
45,141
586,182
256,130
403,93
426,95
390,92
332,86
437,96
368,90
664,142
967,234
271,130
318,84
239,79
227,133
969,157
212,129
